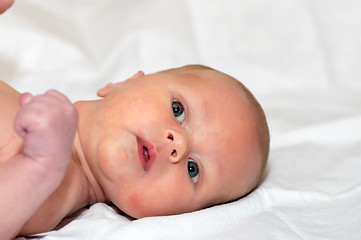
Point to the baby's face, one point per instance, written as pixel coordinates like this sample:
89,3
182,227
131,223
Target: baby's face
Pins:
173,142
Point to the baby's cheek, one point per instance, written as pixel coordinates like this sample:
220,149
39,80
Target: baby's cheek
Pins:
135,206
134,201
140,206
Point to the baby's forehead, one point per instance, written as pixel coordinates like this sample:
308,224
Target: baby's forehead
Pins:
236,166
209,79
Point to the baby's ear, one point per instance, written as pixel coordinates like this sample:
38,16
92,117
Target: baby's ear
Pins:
103,92
137,75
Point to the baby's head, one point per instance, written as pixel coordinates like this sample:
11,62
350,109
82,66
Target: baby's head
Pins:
177,141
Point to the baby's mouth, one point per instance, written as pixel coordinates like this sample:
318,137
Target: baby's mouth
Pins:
146,156
146,153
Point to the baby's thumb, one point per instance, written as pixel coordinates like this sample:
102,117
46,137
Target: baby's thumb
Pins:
25,98
21,121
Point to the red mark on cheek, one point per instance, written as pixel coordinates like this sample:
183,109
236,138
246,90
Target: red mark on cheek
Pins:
134,201
136,206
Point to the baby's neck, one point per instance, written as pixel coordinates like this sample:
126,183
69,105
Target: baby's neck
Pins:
77,190
91,186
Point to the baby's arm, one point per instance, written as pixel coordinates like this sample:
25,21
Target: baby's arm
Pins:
47,124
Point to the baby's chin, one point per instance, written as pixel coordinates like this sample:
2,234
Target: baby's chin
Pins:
143,213
138,214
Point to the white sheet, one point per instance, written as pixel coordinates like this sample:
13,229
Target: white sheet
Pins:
300,58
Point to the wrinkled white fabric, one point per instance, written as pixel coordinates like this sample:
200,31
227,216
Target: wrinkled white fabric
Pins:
302,60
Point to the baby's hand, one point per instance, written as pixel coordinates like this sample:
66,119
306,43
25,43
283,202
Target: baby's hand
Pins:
47,123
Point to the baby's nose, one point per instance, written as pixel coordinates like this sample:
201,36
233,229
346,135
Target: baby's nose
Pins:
179,145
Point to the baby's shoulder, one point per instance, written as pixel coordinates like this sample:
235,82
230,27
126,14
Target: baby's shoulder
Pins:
9,104
10,143
6,89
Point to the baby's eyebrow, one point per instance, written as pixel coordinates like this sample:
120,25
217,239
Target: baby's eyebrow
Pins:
204,106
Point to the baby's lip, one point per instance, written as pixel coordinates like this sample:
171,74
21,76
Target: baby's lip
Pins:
146,153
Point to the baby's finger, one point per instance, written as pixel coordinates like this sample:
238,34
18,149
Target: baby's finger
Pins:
25,98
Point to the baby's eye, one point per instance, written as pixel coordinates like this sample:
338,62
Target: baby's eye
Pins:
193,170
178,111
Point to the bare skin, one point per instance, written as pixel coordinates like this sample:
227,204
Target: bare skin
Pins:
77,163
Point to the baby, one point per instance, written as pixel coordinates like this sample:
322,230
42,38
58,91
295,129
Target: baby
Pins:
166,143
